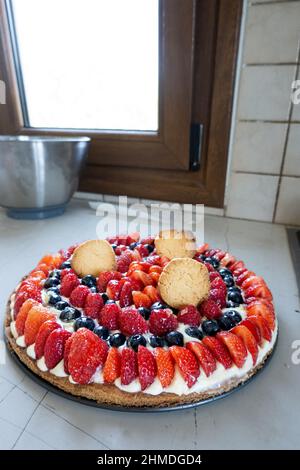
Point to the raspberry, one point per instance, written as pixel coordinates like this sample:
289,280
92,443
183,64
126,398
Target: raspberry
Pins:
105,277
131,322
219,296
124,261
66,271
210,309
189,316
79,295
69,282
109,316
219,284
162,322
146,367
93,305
129,366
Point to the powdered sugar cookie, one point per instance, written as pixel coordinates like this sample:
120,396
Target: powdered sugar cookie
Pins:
175,244
93,257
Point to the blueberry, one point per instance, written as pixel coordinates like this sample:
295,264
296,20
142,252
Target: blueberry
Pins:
226,323
228,279
53,298
55,273
213,261
158,306
117,339
230,304
157,341
84,322
224,271
202,257
234,316
150,248
194,332
133,245
210,327
135,341
89,281
235,295
174,338
61,305
66,265
114,246
145,312
70,314
51,282
53,289
101,331
104,297
93,289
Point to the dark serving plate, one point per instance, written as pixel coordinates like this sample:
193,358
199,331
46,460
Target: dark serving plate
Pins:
86,401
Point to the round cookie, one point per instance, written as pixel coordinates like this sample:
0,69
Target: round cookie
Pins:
93,257
175,244
184,281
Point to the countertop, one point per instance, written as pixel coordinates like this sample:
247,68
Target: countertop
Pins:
264,414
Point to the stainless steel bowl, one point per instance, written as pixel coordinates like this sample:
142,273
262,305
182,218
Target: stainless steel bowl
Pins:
38,175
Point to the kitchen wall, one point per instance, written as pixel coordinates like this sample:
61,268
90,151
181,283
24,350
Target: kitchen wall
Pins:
264,170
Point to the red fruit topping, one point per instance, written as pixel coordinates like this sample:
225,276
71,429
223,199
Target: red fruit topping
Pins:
220,285
146,367
248,339
129,366
209,267
189,316
202,249
210,309
145,278
219,296
30,291
264,309
35,318
141,300
93,305
253,281
253,328
218,350
165,366
54,347
227,260
87,352
235,346
204,356
139,266
105,277
46,328
237,265
112,368
126,294
259,290
22,315
131,322
155,277
214,275
263,326
241,278
67,350
187,364
79,295
113,289
147,241
155,269
109,316
68,284
66,271
152,292
123,262
162,322
143,251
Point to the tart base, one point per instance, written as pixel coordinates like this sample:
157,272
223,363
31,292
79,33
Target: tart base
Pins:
110,394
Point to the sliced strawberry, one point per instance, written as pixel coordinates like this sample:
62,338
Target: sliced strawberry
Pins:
67,350
202,249
146,367
131,322
138,266
93,305
35,318
162,322
112,367
263,309
126,294
78,296
109,316
218,350
155,277
241,278
263,326
29,291
54,347
235,346
204,356
165,366
259,290
251,281
155,268
113,289
129,366
87,352
253,328
152,293
248,339
145,278
45,329
141,300
105,277
189,316
68,284
237,265
22,315
210,309
187,364
227,260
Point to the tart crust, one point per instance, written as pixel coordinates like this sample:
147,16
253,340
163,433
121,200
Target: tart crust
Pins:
112,395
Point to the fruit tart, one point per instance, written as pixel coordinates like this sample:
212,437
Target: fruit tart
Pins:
142,322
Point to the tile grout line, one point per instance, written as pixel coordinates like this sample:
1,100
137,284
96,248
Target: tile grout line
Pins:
260,173
254,3
286,141
269,121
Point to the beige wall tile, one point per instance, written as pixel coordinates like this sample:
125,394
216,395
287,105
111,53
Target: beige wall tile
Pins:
292,158
251,196
259,147
288,207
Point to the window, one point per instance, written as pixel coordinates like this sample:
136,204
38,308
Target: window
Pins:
150,81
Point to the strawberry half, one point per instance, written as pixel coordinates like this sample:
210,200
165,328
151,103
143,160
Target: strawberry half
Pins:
22,315
253,328
249,341
263,309
54,347
113,289
129,366
146,367
41,338
218,350
67,350
189,316
112,367
204,356
258,290
235,347
35,318
165,366
187,364
105,277
263,326
141,300
126,294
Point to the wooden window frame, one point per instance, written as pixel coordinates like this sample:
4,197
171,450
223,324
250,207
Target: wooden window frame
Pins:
156,165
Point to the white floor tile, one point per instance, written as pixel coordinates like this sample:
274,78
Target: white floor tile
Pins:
8,434
17,407
29,442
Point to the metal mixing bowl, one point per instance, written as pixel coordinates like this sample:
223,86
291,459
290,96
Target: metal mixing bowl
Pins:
38,175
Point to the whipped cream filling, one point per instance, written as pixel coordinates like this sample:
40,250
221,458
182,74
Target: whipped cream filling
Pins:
217,379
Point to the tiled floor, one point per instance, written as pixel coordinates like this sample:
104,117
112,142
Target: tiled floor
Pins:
265,414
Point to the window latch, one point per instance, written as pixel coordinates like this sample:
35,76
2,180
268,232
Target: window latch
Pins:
196,137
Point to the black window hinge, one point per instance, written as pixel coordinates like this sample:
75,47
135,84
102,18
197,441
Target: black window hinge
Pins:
196,136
